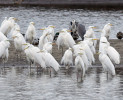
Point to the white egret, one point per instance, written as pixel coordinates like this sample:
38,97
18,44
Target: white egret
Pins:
65,39
67,59
30,33
106,63
33,55
12,32
78,49
80,66
2,36
105,47
50,61
7,25
51,30
48,47
4,45
106,30
88,51
28,52
90,42
43,39
4,21
18,41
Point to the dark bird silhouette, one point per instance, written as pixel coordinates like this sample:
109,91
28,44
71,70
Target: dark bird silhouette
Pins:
77,30
119,35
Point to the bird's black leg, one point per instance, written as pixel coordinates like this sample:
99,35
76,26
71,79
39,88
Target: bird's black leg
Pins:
107,75
30,66
50,71
62,51
81,76
77,76
17,56
4,63
20,55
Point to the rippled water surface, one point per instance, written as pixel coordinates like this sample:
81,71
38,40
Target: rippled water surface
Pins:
21,84
61,17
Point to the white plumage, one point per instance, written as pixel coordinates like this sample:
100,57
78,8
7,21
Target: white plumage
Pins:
43,39
4,21
18,41
65,39
67,59
79,64
4,45
113,55
106,63
105,48
106,30
7,26
50,61
48,47
88,51
30,33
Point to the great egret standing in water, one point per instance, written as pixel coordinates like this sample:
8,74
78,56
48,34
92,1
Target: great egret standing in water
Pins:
50,61
106,63
65,39
4,21
105,47
4,45
67,59
48,47
90,34
106,30
18,41
80,66
7,25
30,33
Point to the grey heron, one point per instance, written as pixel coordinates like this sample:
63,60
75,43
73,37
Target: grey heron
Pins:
77,30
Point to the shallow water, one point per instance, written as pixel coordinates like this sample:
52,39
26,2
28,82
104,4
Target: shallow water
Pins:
21,84
61,18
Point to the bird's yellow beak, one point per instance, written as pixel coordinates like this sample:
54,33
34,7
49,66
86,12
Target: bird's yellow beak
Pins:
94,27
110,24
40,51
47,34
95,39
61,31
18,30
33,23
69,31
53,43
26,48
80,53
52,26
42,29
14,37
98,53
24,44
16,19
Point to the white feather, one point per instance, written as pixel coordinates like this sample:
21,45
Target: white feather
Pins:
67,59
106,63
80,64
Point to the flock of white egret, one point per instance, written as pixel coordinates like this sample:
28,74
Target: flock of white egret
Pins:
80,54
